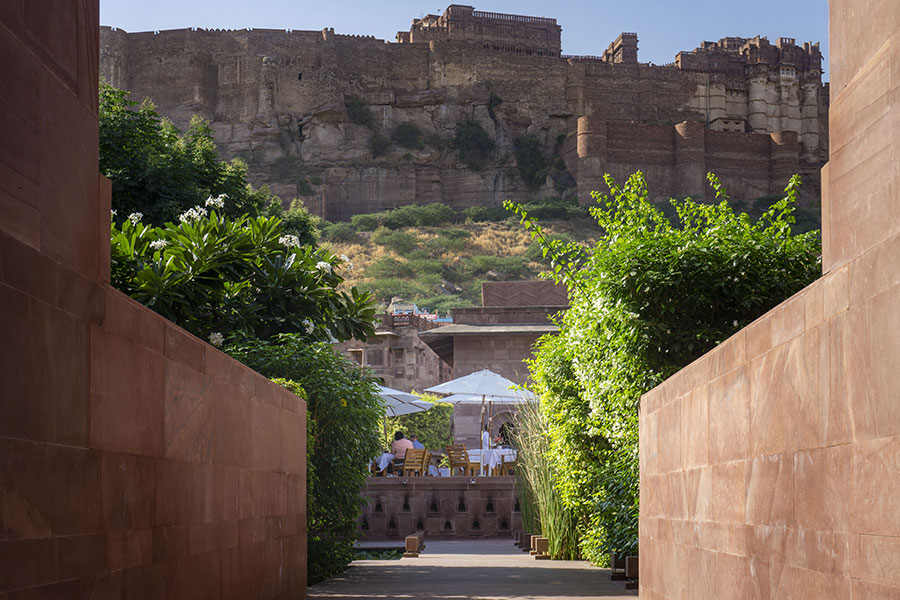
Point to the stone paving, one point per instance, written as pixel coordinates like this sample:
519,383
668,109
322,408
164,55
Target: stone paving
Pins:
480,569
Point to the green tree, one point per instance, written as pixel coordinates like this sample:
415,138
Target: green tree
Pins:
651,297
343,435
432,426
160,173
242,277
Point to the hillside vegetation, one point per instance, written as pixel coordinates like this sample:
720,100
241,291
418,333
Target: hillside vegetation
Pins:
439,258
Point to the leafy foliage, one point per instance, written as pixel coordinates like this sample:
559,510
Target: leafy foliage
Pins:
530,161
379,145
474,144
651,297
343,424
339,232
407,135
358,111
299,222
213,274
431,426
157,171
398,241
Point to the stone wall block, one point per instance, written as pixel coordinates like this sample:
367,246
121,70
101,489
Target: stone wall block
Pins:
31,475
728,489
126,380
770,491
695,428
87,45
873,358
265,435
821,501
875,472
69,186
127,318
44,372
729,416
182,347
128,491
232,444
188,420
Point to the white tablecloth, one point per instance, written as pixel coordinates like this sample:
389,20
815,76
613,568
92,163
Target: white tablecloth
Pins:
493,457
384,461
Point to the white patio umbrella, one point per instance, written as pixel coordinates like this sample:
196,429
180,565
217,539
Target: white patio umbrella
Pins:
484,385
398,403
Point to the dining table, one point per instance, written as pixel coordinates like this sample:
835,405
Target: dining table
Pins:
491,458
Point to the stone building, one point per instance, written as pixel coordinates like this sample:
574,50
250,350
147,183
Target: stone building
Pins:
498,336
396,354
752,111
520,34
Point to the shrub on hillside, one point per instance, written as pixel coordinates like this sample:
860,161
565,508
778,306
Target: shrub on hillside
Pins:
358,111
387,267
379,145
339,232
400,242
492,214
506,267
474,144
530,161
407,135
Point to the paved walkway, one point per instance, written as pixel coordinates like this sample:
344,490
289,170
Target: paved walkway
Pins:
481,569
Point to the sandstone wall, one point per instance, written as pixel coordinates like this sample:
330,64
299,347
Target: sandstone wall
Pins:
135,460
770,467
442,507
275,98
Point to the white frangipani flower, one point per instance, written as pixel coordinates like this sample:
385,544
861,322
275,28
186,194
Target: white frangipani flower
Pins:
216,339
135,217
193,214
159,244
308,326
289,240
217,202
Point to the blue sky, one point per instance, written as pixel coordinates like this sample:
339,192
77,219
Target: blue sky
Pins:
664,26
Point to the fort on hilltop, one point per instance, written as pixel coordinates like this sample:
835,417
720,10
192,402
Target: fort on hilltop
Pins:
752,111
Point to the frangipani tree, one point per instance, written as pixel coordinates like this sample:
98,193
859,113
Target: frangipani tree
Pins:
244,277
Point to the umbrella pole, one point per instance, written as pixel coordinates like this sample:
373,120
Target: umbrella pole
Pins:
481,436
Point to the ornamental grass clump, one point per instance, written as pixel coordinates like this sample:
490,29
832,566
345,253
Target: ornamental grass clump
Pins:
542,509
652,296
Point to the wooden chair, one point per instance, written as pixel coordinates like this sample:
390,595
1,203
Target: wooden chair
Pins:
414,462
507,467
459,459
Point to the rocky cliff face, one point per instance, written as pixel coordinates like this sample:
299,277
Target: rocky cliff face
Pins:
289,103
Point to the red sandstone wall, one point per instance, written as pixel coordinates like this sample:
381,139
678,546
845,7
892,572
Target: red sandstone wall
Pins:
135,460
770,468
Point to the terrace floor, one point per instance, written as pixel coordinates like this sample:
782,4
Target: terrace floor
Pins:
481,569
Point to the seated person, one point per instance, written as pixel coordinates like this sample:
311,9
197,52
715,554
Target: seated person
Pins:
415,442
400,446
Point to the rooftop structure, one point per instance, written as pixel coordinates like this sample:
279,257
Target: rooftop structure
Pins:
520,34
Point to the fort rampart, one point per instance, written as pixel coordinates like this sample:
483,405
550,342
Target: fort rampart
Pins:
277,99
